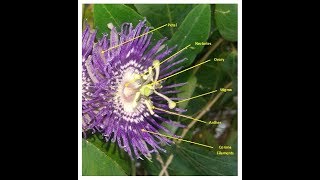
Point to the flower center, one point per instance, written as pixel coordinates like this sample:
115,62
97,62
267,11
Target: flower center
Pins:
135,88
127,92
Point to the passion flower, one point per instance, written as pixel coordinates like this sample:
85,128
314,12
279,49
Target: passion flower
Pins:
123,91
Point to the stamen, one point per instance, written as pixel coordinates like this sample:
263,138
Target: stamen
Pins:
150,73
145,77
136,76
171,104
156,65
149,105
146,90
135,100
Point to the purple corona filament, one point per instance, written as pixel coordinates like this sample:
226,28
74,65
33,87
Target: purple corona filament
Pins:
120,87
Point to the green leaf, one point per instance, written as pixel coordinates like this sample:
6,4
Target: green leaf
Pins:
231,67
153,167
211,76
187,90
229,72
216,74
194,28
87,14
160,14
131,6
195,160
195,105
117,14
205,136
226,16
101,158
230,64
96,163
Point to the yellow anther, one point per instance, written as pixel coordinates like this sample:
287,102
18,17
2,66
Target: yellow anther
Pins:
136,76
156,63
172,104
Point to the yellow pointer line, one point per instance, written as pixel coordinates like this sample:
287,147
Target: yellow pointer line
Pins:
175,54
196,96
143,130
182,71
170,57
134,38
188,117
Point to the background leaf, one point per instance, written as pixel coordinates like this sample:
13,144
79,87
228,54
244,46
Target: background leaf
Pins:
187,90
226,16
117,14
131,6
194,160
194,28
212,76
101,158
96,163
160,14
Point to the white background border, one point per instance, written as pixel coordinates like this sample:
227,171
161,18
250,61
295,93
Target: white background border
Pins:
239,84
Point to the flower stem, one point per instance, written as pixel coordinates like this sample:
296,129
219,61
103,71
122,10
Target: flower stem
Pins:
166,165
162,165
204,110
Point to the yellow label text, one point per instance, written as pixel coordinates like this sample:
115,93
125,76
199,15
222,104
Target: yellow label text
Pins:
173,24
218,59
202,43
214,122
225,89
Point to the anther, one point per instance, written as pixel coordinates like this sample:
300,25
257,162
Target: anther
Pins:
156,64
136,98
171,104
